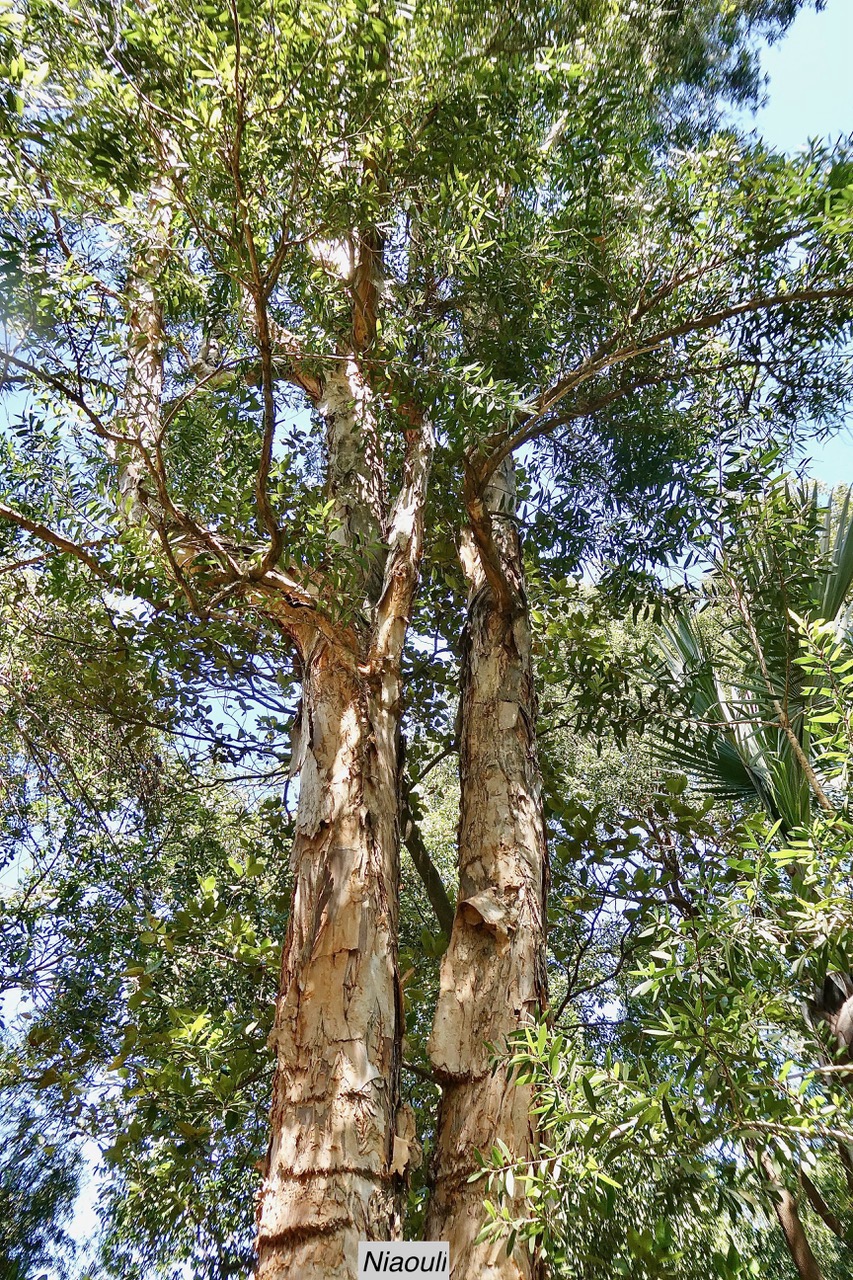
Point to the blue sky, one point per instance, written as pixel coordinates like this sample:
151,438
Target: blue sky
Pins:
811,85
810,95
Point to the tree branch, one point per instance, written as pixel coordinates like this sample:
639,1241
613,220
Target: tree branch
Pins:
55,539
405,542
541,423
424,865
822,1209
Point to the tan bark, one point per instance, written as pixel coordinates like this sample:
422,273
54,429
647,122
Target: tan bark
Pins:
795,1237
787,1213
341,1144
356,471
493,978
333,1157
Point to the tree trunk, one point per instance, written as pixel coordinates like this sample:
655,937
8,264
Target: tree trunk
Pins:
786,1210
334,1161
340,1144
493,978
795,1237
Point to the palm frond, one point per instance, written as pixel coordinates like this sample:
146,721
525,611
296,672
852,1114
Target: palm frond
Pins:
723,755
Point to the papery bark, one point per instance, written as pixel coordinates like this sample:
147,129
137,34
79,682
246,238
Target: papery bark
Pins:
335,1159
356,470
341,1143
493,978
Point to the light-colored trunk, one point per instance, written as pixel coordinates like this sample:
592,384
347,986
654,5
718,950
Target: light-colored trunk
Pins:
334,1159
356,469
341,1144
493,979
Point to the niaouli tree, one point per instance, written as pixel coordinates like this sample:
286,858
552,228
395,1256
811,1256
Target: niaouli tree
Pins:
256,261
704,295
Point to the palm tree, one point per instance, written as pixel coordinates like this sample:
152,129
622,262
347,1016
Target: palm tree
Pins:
744,735
747,734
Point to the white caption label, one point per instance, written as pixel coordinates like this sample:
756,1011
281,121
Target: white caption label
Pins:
401,1258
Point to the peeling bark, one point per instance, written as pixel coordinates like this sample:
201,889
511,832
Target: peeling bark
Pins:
493,978
356,477
341,1144
338,1026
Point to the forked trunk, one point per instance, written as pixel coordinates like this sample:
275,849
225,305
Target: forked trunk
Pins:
493,978
340,1143
334,1158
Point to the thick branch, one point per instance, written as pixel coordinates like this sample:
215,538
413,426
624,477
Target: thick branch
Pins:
846,1164
424,865
822,1209
405,543
265,510
542,422
491,514
55,539
367,278
483,533
290,363
788,1215
602,360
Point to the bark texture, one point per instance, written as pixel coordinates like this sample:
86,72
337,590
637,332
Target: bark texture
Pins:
341,1144
493,974
795,1237
788,1215
335,1152
834,1007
